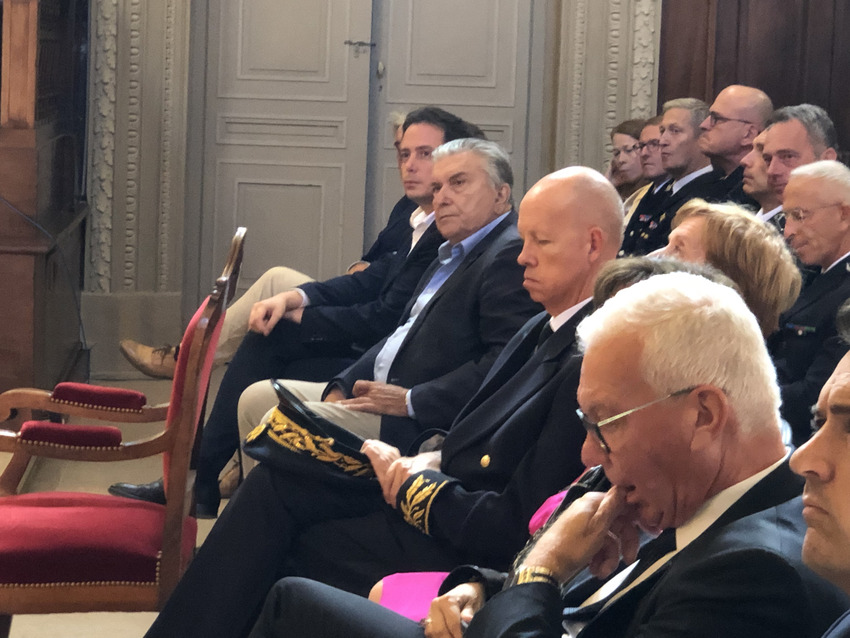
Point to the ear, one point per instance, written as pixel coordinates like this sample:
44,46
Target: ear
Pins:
752,134
829,154
594,246
503,194
712,417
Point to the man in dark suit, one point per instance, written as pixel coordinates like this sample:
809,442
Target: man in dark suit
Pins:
807,347
691,175
687,432
314,331
737,115
825,463
515,443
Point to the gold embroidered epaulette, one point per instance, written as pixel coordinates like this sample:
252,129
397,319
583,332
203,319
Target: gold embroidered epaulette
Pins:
288,434
416,505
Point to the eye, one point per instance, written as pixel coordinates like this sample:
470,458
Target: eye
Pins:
423,153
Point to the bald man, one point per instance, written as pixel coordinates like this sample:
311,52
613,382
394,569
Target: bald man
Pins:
737,115
516,442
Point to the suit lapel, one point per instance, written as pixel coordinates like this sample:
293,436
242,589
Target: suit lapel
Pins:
820,285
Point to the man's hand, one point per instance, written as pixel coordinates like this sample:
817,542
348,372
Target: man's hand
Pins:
334,395
595,532
266,313
382,455
403,468
294,315
449,610
377,398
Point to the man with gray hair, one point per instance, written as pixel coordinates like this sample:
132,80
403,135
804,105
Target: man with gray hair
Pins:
806,348
680,403
691,175
516,441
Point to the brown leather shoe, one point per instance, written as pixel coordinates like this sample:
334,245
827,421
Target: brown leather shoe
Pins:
154,362
230,479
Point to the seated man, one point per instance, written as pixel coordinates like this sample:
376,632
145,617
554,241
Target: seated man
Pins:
680,406
317,330
807,347
516,442
824,462
403,229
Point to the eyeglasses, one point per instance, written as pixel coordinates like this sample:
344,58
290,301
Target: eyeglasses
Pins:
595,428
650,144
627,150
715,119
802,214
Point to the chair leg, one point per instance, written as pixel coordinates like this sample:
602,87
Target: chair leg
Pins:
5,625
12,476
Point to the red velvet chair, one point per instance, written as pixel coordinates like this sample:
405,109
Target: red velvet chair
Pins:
77,552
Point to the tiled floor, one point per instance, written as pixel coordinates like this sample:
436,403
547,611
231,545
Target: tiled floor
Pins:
91,477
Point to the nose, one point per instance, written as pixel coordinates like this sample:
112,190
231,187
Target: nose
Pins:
525,257
810,460
591,452
705,124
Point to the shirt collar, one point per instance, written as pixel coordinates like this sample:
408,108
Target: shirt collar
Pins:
687,179
767,216
560,319
836,262
446,252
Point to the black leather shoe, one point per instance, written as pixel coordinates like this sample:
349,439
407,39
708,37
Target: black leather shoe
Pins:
150,492
207,499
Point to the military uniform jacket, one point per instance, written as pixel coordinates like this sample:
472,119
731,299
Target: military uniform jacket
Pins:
516,443
806,348
456,337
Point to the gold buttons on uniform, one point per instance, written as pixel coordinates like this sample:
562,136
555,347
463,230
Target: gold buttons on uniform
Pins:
485,460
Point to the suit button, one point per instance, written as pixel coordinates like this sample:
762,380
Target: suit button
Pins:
485,460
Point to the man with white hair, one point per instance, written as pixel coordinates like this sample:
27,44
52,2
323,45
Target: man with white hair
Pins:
680,404
806,348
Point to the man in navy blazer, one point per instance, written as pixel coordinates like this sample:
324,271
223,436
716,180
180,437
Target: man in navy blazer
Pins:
680,405
824,461
806,348
516,442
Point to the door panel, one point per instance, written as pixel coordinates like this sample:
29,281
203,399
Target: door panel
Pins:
286,121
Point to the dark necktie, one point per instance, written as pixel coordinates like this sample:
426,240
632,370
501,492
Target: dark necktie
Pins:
545,333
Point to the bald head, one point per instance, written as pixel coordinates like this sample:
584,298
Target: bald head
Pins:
738,114
571,222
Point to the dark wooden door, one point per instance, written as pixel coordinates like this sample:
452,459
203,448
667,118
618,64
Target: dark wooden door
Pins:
794,50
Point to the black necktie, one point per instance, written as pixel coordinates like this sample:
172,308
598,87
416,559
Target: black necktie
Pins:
545,333
650,553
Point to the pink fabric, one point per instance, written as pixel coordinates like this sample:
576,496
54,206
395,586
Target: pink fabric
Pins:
410,593
73,435
545,511
73,537
99,396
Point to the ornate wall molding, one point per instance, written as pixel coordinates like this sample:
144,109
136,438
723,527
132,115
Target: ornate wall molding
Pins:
133,137
646,34
104,51
164,220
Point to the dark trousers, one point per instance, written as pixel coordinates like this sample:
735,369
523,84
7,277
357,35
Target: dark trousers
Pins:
299,608
325,526
281,355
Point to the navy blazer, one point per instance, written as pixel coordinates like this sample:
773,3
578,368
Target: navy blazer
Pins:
517,442
741,578
395,233
456,337
359,309
806,348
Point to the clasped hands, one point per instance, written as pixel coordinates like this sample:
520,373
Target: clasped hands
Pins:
393,469
597,531
265,314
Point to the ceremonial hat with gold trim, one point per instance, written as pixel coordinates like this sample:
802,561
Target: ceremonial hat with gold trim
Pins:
293,438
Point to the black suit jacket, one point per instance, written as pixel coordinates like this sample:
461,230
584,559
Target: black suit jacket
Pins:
396,233
359,309
456,337
806,348
742,577
515,443
649,225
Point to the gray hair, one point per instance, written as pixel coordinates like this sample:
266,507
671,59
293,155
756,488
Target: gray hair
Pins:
694,331
496,160
698,108
830,171
819,126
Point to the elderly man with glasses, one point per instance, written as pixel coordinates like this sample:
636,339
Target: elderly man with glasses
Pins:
680,403
806,349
